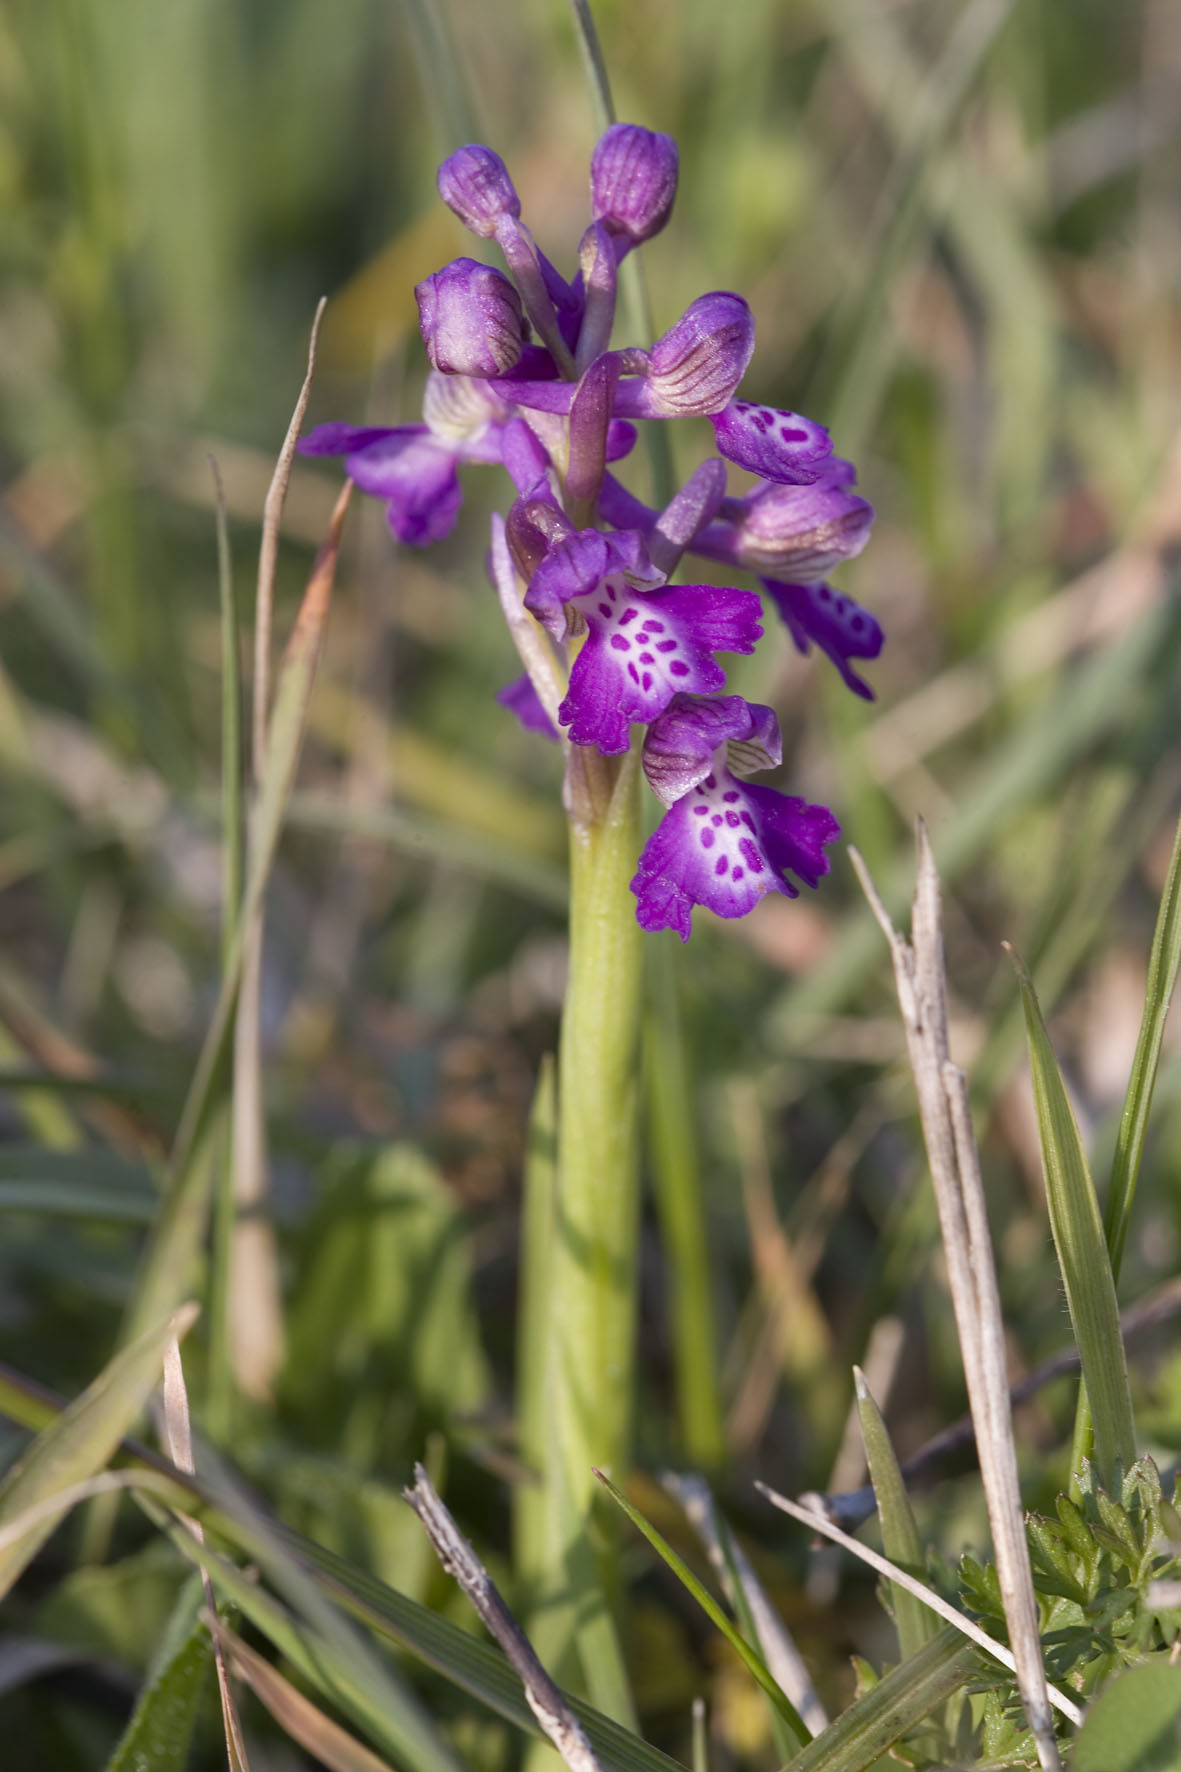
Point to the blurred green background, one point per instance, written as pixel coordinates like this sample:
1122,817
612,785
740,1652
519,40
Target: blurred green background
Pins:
957,225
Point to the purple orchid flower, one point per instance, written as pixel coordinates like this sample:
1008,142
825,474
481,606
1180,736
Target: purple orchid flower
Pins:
724,842
645,640
596,561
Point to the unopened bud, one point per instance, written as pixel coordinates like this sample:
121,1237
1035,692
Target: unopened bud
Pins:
471,319
474,182
697,364
804,531
633,181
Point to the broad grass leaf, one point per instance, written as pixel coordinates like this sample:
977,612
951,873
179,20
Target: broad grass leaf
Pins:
82,1439
1135,1724
160,1729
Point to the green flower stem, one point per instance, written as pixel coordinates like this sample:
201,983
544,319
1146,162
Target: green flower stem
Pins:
593,1271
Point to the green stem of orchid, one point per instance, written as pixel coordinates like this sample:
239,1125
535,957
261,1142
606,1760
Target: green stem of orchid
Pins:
592,1286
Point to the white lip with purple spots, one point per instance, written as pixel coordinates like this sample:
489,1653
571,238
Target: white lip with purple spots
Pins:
648,649
725,834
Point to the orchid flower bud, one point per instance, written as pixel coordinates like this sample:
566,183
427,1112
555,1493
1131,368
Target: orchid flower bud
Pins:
633,182
474,183
697,364
471,319
801,530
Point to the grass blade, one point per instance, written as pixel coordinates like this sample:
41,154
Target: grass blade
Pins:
900,1534
1162,977
233,851
965,1625
182,1221
82,1439
161,1726
303,1721
435,1642
713,1612
907,1694
1082,1250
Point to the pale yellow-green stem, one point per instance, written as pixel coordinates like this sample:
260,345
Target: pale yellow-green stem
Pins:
592,1286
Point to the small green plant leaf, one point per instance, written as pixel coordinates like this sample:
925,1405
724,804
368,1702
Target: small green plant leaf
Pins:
713,1612
82,1439
1135,1724
1081,1248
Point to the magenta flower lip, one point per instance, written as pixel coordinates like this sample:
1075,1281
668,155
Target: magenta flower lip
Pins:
723,843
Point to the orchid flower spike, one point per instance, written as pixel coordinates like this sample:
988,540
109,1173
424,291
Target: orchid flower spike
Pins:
527,375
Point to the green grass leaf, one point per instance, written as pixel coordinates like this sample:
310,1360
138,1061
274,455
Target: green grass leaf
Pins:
1082,1249
713,1612
892,1707
1162,977
81,1440
900,1534
161,1726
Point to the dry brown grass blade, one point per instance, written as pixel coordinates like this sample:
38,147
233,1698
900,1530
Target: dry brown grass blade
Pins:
254,1304
302,1720
811,1516
963,1222
546,1702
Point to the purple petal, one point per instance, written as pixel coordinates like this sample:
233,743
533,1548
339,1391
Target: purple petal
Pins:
521,699
590,416
694,505
621,439
578,565
600,271
539,396
459,409
524,457
725,845
680,745
623,509
801,530
416,476
697,364
777,445
644,647
341,439
839,626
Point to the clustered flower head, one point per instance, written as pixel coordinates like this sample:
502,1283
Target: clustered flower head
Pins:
523,375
